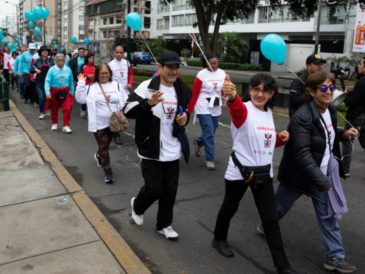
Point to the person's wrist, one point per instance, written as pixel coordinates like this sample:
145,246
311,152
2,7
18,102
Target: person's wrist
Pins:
232,97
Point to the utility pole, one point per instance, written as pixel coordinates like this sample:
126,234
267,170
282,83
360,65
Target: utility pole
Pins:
44,26
318,26
129,46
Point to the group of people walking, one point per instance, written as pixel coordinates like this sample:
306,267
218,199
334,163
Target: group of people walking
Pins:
162,107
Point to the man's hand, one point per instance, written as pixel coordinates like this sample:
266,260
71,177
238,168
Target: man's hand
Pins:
284,136
37,70
350,134
155,98
181,119
49,97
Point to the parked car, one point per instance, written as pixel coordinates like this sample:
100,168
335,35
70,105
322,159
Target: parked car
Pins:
140,57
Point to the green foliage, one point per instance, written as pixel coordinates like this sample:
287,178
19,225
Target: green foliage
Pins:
342,107
194,62
157,46
231,47
185,53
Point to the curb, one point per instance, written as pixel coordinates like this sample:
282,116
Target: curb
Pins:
124,255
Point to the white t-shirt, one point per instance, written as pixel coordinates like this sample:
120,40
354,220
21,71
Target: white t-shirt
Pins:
120,71
7,57
11,64
212,83
327,119
253,142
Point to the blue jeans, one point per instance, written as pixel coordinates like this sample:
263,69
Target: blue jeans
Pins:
41,96
21,84
331,233
208,124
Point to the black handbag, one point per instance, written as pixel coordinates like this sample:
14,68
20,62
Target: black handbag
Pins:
253,174
61,95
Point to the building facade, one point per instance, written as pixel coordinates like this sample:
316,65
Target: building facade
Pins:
336,34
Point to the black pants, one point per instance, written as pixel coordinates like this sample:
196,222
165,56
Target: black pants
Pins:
6,75
265,203
160,183
103,138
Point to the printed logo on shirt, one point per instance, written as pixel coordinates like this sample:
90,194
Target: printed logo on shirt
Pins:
62,79
169,108
267,141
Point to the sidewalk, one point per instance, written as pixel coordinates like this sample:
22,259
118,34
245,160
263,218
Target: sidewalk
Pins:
48,224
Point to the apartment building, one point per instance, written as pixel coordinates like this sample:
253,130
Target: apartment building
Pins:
336,35
106,18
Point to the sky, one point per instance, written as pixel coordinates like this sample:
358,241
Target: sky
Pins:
7,9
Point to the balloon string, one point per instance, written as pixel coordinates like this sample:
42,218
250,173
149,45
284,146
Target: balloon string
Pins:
339,114
193,37
294,74
144,40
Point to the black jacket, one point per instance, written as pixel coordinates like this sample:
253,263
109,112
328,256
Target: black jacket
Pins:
299,169
296,94
74,68
147,128
356,99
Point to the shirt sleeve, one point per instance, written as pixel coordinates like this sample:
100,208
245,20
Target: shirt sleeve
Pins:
47,82
238,111
130,75
197,85
71,83
80,94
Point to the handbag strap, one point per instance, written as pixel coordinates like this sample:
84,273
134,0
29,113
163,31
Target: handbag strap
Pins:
106,99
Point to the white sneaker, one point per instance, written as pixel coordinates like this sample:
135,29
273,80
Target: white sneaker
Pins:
42,116
66,129
210,165
54,127
137,219
169,233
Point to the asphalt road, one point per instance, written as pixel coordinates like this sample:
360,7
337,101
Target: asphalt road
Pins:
200,195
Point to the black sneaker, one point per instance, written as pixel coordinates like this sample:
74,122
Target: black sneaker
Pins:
97,159
223,248
108,179
117,139
338,264
287,270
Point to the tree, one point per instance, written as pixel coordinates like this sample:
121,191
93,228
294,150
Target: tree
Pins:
218,12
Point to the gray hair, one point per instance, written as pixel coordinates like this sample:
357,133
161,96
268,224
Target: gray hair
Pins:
59,55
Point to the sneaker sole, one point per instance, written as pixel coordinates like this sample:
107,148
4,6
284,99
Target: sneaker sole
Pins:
133,222
332,268
168,238
97,161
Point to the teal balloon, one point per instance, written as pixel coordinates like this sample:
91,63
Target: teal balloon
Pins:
45,12
16,45
1,33
10,45
31,24
73,40
86,41
37,31
273,48
37,13
134,21
18,38
29,15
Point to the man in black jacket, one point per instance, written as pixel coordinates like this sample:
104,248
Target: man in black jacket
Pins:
355,114
314,63
76,65
159,107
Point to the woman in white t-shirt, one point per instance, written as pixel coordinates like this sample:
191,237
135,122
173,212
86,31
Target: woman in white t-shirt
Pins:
250,165
103,92
206,102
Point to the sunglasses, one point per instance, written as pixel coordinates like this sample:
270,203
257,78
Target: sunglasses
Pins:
324,88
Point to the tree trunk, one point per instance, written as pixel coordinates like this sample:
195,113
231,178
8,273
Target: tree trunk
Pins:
221,10
204,18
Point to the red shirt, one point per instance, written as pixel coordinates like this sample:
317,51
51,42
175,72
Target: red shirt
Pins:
87,71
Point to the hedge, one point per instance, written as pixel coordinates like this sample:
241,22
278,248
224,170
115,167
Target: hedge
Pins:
224,65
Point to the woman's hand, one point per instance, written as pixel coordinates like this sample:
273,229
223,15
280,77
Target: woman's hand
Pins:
181,119
155,98
229,89
284,136
350,134
81,77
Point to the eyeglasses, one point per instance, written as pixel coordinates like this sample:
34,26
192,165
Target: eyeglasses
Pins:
175,66
324,88
264,91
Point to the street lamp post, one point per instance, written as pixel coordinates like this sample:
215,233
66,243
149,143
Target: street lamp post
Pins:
318,26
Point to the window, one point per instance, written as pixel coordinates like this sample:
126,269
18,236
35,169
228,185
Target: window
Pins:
105,21
105,34
111,20
147,22
148,7
119,20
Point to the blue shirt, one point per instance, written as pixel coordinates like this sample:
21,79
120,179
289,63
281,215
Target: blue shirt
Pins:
16,65
59,77
25,62
80,63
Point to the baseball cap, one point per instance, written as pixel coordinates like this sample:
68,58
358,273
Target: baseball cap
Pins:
315,59
169,57
31,46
